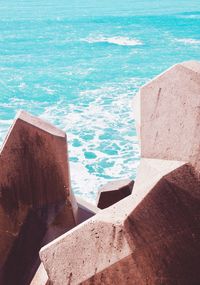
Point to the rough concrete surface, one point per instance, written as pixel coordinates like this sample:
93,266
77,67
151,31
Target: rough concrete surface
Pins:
36,203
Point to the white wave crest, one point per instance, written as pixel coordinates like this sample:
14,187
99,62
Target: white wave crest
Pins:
188,41
122,41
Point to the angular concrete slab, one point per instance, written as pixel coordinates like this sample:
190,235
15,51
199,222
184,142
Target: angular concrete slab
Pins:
169,114
113,192
36,203
150,237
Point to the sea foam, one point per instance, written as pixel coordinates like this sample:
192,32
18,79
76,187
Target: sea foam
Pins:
122,41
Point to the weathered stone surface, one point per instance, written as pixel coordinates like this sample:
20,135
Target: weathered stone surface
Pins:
170,114
36,203
150,237
85,211
113,192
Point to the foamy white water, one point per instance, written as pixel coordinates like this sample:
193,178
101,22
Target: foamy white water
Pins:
78,64
118,40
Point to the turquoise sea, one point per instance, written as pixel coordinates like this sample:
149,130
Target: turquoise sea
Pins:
78,64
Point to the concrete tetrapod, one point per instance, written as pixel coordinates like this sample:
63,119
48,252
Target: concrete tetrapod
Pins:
150,237
36,203
168,114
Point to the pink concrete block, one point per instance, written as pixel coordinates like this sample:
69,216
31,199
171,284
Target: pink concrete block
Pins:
169,114
36,203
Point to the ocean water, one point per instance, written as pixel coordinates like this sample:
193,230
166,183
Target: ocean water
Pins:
78,64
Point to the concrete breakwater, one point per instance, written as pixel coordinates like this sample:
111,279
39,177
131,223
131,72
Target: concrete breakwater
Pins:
147,232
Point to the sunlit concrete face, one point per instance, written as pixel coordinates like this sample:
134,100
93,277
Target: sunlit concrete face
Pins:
170,114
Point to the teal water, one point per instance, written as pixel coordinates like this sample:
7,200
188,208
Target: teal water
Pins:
79,63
